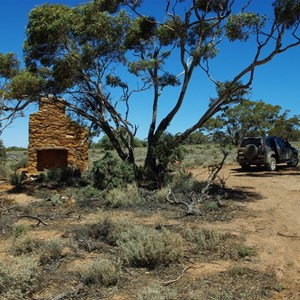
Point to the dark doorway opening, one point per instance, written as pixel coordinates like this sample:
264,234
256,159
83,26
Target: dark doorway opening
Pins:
52,159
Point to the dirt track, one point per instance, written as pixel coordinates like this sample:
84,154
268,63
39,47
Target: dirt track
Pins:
273,227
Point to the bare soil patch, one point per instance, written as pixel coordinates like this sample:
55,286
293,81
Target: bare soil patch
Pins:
272,224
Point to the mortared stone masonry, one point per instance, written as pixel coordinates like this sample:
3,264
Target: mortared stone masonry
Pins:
55,141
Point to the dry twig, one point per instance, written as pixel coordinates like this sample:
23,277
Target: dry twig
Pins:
178,278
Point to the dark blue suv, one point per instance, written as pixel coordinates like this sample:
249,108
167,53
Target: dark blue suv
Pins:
268,151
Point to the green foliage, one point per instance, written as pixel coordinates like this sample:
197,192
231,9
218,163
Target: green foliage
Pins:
246,251
111,172
250,118
21,163
107,145
156,292
287,12
18,278
101,272
19,230
16,180
204,240
242,25
52,250
166,152
287,128
9,65
146,247
142,28
3,154
62,177
125,197
26,244
24,85
185,183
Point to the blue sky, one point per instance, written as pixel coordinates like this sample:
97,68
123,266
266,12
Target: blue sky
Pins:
276,83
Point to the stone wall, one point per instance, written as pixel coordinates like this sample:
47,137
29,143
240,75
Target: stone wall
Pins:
55,140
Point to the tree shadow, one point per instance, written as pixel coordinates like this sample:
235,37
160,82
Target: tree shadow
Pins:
262,171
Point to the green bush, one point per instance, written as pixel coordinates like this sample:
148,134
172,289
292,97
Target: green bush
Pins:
47,251
122,197
18,278
165,152
22,163
204,240
148,247
5,171
62,176
101,272
88,192
246,251
3,155
6,223
51,250
19,230
26,244
16,180
108,230
111,172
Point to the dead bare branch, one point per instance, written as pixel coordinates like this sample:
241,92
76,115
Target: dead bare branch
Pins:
166,283
8,211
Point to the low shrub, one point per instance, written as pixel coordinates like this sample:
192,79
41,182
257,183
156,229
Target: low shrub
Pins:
18,278
5,171
110,172
62,177
204,240
6,223
108,230
16,179
246,251
101,272
26,244
157,292
19,230
48,251
51,250
147,247
122,197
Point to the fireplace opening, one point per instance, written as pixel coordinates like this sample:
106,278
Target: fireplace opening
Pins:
51,159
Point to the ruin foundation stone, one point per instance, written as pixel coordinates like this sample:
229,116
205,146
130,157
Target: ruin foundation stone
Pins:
55,141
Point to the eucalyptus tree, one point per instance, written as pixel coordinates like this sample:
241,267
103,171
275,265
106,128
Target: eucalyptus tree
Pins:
85,54
247,118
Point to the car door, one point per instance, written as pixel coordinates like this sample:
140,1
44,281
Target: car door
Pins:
282,149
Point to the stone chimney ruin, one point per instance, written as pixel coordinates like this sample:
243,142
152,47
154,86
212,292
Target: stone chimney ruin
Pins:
55,141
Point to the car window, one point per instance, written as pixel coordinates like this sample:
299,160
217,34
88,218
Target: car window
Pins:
248,141
281,143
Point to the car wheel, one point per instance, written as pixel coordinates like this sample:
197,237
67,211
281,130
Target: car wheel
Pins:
293,161
250,152
272,164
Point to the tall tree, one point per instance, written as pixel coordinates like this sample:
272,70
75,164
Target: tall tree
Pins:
76,52
287,127
248,118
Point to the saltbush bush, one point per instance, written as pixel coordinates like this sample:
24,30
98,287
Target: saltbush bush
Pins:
26,244
156,292
203,239
101,272
125,197
18,278
147,247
